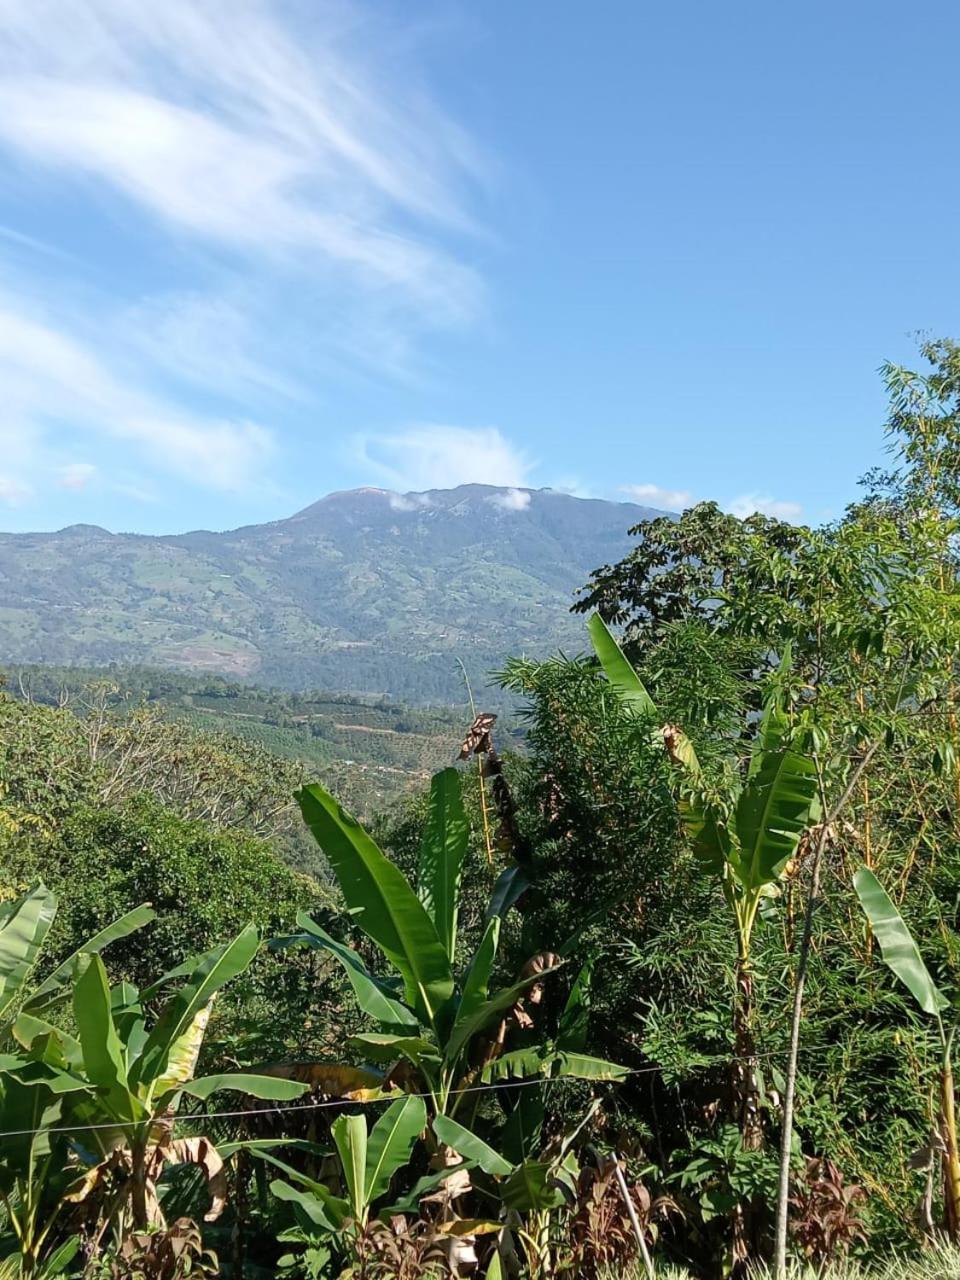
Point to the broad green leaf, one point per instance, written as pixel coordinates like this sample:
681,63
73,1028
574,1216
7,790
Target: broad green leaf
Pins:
522,1134
477,977
388,1048
581,1066
61,1257
329,1212
389,912
619,671
495,1267
469,1146
900,952
774,723
467,1025
634,696
442,851
51,989
779,802
182,970
519,1064
273,1088
371,997
575,1019
28,1027
350,1136
532,1186
551,1064
103,1057
391,1144
212,971
23,927
512,883
183,1054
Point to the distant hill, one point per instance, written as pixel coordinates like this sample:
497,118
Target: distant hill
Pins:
366,590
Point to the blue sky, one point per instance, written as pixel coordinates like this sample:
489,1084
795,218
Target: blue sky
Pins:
252,251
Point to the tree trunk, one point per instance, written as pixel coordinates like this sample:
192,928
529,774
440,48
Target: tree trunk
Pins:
745,1101
746,1084
951,1154
138,1187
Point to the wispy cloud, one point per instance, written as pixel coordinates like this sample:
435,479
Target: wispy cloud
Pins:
651,495
49,380
749,504
279,168
432,456
252,142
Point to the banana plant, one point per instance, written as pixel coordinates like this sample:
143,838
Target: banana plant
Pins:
445,1028
902,957
35,1179
36,1167
120,1081
329,1224
24,925
746,840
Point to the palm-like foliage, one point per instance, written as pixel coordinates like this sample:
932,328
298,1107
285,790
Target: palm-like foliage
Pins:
100,1104
746,839
441,1023
902,956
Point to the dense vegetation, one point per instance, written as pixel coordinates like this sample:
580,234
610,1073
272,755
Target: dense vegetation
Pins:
675,987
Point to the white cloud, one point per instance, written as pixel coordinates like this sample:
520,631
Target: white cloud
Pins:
432,456
651,495
512,500
76,475
50,379
223,122
681,499
208,340
280,167
754,503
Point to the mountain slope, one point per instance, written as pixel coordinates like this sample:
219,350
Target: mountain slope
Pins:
363,590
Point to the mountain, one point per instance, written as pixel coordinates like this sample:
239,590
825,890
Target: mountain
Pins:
365,590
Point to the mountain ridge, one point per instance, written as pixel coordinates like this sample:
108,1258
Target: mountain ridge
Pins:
366,589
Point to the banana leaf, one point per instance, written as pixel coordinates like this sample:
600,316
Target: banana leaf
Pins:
779,802
442,850
212,972
467,1025
271,1088
619,671
372,995
388,910
391,1144
900,952
471,1147
56,985
23,926
477,978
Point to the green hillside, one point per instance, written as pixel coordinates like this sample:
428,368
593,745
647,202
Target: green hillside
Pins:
367,591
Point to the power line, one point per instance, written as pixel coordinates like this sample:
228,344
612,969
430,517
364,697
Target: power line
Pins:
196,1117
